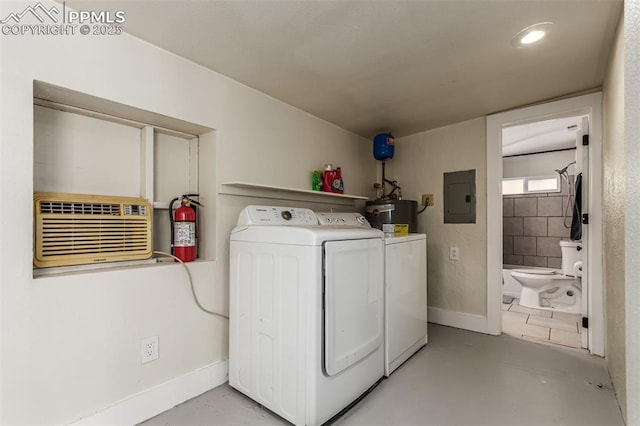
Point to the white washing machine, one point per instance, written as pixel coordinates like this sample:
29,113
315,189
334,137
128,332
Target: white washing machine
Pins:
406,297
306,330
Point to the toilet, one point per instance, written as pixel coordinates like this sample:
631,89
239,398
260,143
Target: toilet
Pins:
550,289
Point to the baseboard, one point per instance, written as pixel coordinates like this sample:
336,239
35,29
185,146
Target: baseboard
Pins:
455,319
153,401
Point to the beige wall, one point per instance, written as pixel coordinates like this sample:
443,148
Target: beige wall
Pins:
419,163
537,164
614,221
632,209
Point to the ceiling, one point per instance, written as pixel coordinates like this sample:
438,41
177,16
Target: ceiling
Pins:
371,66
542,136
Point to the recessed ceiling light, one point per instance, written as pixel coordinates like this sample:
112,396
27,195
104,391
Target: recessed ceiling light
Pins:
532,37
531,34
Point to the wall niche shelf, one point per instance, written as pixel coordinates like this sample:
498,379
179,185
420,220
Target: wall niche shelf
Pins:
246,189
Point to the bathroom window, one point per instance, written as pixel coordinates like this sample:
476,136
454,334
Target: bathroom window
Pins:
531,185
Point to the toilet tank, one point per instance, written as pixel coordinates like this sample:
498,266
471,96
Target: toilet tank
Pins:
571,253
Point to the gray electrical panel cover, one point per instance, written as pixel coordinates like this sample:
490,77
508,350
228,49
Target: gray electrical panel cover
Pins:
460,197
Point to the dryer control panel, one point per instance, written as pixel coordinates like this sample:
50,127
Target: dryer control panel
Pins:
343,219
273,215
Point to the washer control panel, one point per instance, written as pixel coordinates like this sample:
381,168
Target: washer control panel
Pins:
343,219
273,215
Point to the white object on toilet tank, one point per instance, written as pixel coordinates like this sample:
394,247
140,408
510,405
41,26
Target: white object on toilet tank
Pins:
571,254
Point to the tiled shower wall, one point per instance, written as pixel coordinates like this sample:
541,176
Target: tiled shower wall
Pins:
533,226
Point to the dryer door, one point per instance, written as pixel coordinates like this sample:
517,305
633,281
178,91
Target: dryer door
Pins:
353,302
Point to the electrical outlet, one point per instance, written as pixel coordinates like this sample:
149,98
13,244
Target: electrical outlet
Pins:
427,200
454,253
149,349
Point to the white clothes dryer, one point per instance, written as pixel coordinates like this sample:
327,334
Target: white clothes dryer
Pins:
306,332
405,297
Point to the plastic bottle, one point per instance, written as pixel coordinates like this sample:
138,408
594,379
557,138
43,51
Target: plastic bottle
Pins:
316,180
338,184
329,176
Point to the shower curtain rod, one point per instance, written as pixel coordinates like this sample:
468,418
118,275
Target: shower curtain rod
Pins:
539,152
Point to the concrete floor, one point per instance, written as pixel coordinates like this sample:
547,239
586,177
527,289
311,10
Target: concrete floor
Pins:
459,378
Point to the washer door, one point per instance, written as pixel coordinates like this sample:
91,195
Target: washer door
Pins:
353,302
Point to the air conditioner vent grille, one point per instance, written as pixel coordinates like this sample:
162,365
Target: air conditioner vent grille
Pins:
79,229
60,207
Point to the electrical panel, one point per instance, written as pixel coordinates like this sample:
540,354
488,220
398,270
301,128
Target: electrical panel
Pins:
460,197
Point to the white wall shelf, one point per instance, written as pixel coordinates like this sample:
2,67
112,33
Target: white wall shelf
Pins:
246,189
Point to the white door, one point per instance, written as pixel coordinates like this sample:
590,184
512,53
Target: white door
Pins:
353,302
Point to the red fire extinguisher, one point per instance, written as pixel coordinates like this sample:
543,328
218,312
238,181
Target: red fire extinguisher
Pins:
183,228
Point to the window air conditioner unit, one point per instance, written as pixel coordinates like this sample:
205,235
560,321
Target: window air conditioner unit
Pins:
74,229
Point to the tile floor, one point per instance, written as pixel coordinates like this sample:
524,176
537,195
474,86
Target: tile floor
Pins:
459,378
541,325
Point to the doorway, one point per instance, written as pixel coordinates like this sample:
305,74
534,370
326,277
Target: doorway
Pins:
542,231
590,107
